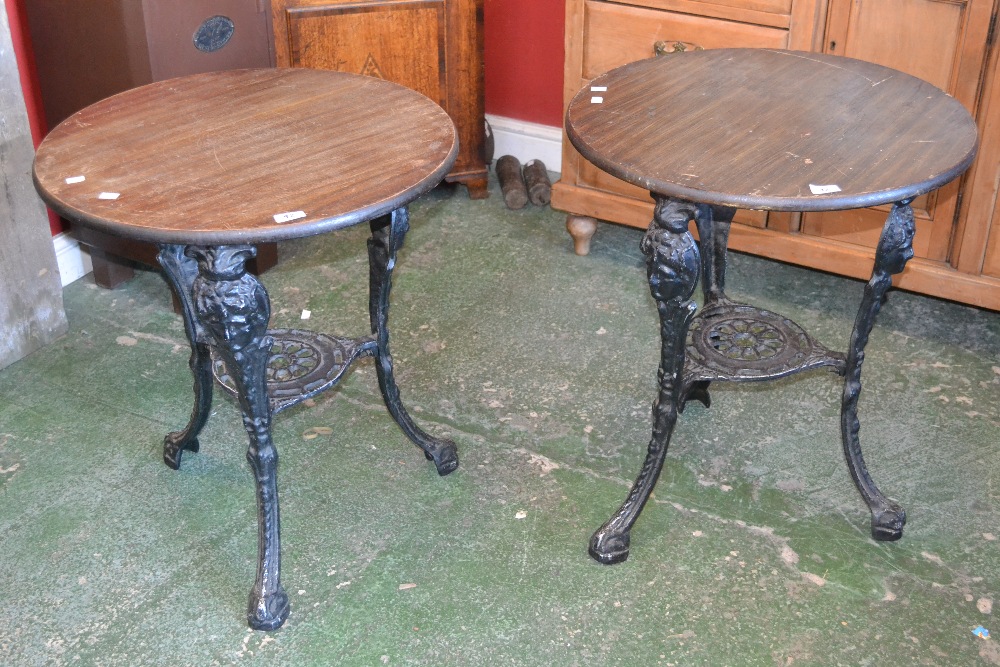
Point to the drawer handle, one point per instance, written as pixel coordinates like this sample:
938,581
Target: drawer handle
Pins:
663,47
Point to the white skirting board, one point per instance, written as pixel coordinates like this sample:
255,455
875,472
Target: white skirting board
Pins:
74,261
525,141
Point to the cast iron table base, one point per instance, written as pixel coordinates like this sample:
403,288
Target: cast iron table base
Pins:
226,311
734,342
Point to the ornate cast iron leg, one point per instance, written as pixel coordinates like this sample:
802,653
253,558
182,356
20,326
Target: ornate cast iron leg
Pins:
713,231
895,247
181,272
233,310
672,262
386,239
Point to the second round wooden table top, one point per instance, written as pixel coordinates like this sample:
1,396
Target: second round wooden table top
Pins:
245,156
772,129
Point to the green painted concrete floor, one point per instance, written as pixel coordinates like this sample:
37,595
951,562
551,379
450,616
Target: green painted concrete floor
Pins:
755,549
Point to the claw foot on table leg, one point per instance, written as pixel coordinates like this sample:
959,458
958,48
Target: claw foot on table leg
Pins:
888,522
444,456
174,444
609,545
268,611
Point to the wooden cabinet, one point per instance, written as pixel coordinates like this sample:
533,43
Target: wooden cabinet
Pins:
949,43
86,51
432,46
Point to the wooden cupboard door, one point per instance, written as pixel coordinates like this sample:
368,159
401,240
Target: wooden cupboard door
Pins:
941,41
980,243
402,41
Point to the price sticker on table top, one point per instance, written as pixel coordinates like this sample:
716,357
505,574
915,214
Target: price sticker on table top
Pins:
823,189
289,216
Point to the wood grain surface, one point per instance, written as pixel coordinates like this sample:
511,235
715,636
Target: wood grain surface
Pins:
212,158
432,46
755,128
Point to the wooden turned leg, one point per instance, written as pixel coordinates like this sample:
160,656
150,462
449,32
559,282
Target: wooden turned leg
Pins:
582,229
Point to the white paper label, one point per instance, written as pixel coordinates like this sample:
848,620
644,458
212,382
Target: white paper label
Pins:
109,195
289,216
823,189
598,89
75,179
596,100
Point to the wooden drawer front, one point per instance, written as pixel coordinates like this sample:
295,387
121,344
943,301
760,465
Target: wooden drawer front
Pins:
619,34
391,40
863,226
775,13
592,177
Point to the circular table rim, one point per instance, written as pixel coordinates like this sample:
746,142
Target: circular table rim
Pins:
812,203
286,231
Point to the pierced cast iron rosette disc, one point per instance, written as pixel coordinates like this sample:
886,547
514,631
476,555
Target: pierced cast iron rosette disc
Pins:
302,364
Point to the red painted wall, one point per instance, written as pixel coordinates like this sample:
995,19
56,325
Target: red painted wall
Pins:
523,57
29,82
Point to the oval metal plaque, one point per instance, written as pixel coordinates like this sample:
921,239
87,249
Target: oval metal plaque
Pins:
214,33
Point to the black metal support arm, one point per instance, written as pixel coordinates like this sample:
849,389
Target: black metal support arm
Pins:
672,265
895,248
387,238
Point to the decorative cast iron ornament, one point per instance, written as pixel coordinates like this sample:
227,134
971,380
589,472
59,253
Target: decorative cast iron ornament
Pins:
226,311
214,33
734,342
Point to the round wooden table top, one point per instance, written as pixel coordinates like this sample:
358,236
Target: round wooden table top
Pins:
771,129
245,156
